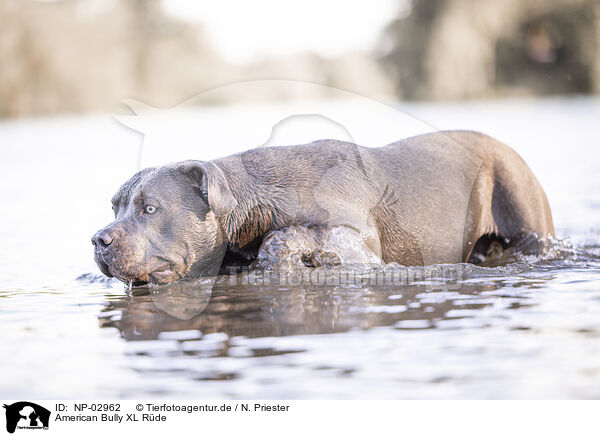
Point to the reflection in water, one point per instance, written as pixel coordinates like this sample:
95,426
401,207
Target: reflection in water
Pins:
243,327
182,300
392,295
445,326
268,311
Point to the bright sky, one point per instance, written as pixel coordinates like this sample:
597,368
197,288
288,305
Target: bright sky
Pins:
242,30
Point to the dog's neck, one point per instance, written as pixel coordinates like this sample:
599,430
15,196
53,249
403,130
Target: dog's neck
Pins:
248,222
261,208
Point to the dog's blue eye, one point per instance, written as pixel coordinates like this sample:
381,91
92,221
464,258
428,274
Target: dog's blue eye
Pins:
150,209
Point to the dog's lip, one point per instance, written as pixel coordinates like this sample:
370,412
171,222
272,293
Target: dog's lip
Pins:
103,266
162,268
162,273
116,274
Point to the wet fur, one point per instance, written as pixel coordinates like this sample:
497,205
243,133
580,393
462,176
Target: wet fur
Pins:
505,200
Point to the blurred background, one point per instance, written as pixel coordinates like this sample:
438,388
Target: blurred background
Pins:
76,56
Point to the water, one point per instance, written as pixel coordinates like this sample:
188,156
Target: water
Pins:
528,328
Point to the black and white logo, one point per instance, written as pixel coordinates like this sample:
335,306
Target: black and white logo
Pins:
26,415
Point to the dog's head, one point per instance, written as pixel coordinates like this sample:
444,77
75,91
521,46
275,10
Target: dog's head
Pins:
166,224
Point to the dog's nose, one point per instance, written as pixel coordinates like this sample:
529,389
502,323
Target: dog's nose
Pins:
102,239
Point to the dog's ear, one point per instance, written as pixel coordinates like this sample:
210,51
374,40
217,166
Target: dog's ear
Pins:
211,184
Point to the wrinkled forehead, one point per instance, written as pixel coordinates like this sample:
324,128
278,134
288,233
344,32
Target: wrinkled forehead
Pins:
156,183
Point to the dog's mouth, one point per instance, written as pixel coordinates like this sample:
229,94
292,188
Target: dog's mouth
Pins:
162,273
130,282
103,266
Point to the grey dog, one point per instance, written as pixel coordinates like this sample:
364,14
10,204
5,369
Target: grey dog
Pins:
443,197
